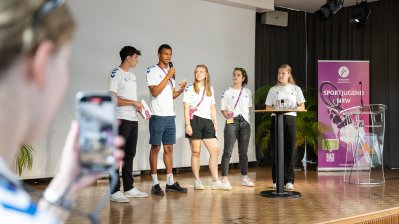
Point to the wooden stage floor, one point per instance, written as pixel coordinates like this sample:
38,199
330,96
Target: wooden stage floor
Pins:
324,197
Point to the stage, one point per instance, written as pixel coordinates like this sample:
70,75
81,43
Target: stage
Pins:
325,198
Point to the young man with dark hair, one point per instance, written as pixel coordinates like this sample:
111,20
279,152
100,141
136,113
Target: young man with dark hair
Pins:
122,84
161,82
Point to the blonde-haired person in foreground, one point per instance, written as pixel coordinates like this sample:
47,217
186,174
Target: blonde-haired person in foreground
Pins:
34,55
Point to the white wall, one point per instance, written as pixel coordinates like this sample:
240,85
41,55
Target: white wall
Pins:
199,32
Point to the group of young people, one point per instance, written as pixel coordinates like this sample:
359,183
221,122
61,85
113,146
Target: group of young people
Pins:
200,117
35,39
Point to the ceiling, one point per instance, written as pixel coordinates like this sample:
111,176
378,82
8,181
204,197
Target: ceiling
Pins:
309,5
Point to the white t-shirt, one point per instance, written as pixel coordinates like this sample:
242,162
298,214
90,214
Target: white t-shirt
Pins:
191,97
162,105
16,206
229,99
125,86
289,93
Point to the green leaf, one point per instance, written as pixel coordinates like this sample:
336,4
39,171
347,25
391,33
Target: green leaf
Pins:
24,158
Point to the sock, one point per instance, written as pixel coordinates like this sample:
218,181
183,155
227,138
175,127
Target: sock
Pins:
169,179
244,177
154,179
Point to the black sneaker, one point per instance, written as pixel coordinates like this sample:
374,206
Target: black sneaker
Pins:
157,190
175,188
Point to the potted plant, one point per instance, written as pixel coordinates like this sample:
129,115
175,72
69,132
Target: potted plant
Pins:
24,158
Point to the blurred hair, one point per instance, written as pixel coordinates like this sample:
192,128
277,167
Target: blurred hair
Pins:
20,34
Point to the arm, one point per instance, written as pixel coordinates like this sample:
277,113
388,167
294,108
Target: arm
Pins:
157,89
126,102
224,113
189,129
182,86
70,170
214,117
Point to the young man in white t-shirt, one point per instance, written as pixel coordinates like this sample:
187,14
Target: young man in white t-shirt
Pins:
161,82
123,85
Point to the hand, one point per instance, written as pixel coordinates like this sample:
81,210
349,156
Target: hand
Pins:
138,105
182,85
70,166
171,72
189,130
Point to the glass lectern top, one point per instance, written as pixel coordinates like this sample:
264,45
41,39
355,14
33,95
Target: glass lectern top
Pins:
365,109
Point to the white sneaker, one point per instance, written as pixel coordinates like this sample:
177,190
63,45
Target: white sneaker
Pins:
217,185
226,186
289,186
135,193
119,197
198,185
248,183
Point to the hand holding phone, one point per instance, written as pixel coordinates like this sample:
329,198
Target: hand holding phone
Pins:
97,130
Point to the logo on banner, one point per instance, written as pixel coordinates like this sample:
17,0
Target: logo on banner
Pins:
343,72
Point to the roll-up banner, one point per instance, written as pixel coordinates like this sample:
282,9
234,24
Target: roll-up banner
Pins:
342,85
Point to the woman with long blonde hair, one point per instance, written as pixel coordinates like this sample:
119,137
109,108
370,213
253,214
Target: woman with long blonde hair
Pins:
201,125
285,92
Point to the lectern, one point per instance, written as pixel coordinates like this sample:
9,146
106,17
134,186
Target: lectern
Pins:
279,158
364,136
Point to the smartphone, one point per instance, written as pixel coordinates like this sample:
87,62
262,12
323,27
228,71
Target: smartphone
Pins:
97,129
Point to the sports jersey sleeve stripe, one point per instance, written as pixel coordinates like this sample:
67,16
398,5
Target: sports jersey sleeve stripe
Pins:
223,100
152,76
113,81
187,94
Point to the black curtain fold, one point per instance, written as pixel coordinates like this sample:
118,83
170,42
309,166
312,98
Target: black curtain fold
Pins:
337,39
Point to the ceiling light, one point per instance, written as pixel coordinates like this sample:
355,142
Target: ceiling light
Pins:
330,8
361,14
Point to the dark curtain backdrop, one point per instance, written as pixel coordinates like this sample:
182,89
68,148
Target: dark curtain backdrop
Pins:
336,39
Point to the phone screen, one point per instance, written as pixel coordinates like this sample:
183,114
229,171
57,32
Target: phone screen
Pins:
97,129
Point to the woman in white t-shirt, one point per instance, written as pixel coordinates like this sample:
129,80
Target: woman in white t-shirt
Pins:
288,95
201,124
235,104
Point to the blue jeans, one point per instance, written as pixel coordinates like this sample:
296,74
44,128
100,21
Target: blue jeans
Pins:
240,130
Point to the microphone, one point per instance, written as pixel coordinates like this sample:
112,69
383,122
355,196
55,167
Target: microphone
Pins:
171,66
361,95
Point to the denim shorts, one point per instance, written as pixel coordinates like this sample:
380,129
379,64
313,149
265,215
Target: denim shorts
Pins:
202,128
162,130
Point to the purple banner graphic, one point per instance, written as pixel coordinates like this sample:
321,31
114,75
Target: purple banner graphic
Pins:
341,85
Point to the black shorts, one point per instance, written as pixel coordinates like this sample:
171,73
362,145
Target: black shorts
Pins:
202,128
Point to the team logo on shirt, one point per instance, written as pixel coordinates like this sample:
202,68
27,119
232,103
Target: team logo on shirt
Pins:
113,73
149,68
187,87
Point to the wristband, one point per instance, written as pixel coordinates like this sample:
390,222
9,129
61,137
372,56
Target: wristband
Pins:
54,198
188,124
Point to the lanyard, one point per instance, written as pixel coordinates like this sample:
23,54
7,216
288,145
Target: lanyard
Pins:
165,74
238,98
203,93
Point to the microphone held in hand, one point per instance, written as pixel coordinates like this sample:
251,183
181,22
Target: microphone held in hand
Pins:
171,66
